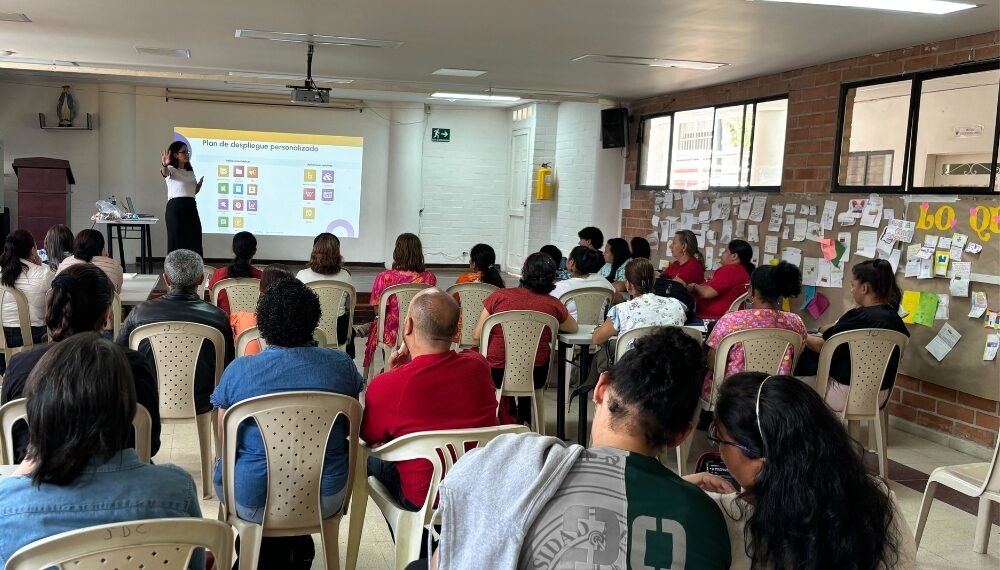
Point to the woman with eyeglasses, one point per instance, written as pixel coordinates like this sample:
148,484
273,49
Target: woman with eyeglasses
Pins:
183,223
805,498
876,298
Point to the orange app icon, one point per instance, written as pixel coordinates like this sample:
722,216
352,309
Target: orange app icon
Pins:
251,172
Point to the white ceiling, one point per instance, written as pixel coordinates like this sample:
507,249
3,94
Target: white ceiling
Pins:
525,45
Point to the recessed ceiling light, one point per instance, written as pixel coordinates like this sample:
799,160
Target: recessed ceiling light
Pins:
168,52
452,72
14,17
315,39
937,7
36,61
650,61
288,76
475,97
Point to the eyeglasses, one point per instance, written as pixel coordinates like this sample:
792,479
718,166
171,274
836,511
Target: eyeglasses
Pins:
183,152
713,436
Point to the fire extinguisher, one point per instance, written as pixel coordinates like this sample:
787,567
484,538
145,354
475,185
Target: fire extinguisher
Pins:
543,182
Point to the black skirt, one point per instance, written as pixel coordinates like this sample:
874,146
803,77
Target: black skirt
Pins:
183,225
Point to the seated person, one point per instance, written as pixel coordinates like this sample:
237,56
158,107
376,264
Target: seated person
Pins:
688,266
287,316
583,265
243,320
806,499
557,256
768,285
876,297
79,302
482,269
616,255
183,272
80,470
244,248
644,309
714,298
591,237
22,269
88,247
429,387
552,505
58,245
327,264
639,246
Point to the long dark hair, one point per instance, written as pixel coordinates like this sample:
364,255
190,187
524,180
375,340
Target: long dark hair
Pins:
274,273
16,247
814,504
244,248
58,244
743,252
878,274
174,148
485,260
640,247
539,273
772,282
88,244
408,255
325,258
586,260
81,401
619,253
80,295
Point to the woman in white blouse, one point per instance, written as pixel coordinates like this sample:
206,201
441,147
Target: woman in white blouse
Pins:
22,269
88,247
183,223
326,263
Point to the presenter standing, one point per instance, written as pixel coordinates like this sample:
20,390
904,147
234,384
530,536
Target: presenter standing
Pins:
183,223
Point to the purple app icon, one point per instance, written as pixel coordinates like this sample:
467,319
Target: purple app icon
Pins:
223,204
327,177
328,194
251,205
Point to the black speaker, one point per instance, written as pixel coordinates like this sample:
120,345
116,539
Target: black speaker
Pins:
614,127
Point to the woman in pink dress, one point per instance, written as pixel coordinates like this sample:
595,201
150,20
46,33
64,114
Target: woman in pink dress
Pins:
407,267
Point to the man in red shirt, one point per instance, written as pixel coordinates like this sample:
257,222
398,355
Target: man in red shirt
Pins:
428,387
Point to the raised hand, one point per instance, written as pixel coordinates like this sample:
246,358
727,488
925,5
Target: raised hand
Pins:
165,159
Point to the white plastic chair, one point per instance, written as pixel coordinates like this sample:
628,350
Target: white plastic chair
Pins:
153,543
207,272
470,302
522,333
763,350
403,293
116,315
442,449
871,351
740,303
242,293
245,338
331,295
23,319
591,303
296,427
17,410
175,346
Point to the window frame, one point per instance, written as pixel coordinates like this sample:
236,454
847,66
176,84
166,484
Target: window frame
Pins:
909,153
644,120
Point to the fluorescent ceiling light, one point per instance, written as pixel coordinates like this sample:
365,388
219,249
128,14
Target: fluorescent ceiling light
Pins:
6,53
14,17
168,52
937,7
36,61
475,97
315,39
451,72
650,61
288,77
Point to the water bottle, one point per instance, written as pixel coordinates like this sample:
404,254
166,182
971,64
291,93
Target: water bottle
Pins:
114,202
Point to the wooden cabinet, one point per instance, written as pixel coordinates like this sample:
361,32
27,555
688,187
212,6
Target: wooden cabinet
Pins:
43,194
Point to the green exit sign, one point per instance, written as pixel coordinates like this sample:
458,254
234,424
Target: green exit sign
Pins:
441,135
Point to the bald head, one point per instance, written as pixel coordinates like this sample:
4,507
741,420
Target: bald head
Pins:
435,315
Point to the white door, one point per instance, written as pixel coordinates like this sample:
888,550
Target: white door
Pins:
517,201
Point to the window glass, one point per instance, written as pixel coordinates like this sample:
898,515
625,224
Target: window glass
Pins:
767,155
731,146
692,149
655,151
875,118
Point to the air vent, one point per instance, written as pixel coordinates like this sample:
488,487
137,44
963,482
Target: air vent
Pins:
166,52
650,61
316,39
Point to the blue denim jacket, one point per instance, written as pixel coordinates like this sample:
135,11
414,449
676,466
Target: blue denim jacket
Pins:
119,489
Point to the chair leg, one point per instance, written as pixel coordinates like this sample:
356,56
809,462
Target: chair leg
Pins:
409,535
538,411
683,451
925,509
330,533
359,504
204,424
984,520
880,449
250,539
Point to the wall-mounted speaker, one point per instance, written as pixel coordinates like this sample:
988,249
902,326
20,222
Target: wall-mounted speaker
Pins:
614,127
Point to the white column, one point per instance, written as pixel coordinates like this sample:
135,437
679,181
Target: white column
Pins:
404,194
116,146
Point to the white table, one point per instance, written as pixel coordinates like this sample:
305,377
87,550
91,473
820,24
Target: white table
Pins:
145,241
137,288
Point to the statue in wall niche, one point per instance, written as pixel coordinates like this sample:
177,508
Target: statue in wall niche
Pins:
66,107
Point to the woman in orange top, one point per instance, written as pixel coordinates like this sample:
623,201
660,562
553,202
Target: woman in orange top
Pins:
242,320
482,269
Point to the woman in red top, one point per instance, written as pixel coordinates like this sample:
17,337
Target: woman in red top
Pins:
713,299
537,281
244,248
689,264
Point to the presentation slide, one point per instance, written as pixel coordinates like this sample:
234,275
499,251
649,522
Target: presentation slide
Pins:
280,184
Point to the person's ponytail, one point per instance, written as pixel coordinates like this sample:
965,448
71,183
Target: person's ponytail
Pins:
244,248
484,258
16,247
80,296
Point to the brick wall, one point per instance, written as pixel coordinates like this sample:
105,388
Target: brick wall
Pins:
813,97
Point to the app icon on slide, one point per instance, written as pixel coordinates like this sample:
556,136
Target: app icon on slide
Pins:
237,221
238,205
252,189
223,188
223,203
308,213
223,222
308,193
328,177
223,170
237,188
251,172
251,205
238,170
309,175
328,194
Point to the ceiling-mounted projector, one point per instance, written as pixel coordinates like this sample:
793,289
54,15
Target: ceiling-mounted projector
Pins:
309,93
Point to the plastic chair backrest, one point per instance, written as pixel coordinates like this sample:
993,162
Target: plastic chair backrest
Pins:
242,293
470,301
153,543
591,303
442,449
331,295
871,350
116,315
23,320
739,303
295,427
522,333
627,340
403,293
245,338
763,351
176,346
142,423
207,272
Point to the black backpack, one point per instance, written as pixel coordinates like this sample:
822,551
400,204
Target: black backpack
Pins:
666,287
